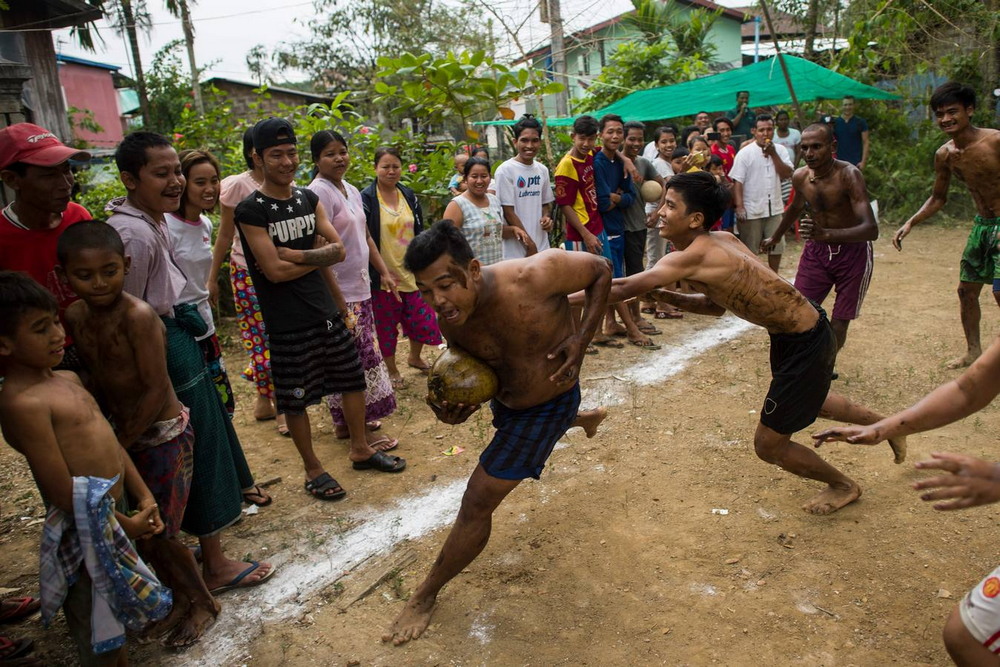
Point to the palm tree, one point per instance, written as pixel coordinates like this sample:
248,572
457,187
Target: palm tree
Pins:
179,8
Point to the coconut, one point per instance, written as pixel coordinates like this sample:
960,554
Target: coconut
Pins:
651,191
459,377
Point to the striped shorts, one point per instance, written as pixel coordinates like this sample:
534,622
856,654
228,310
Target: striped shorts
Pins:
525,438
311,363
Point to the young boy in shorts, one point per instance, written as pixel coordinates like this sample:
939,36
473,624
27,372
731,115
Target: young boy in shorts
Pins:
972,632
803,347
88,566
123,344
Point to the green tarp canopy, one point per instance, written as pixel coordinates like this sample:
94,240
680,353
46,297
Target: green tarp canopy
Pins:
717,93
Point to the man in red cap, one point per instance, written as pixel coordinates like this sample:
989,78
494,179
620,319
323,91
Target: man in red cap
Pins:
35,165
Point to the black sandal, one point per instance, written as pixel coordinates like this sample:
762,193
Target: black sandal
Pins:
257,491
325,487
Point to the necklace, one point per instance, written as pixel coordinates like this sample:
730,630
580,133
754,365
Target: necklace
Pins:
816,177
385,207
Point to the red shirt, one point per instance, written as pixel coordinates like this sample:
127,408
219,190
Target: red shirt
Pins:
34,252
727,155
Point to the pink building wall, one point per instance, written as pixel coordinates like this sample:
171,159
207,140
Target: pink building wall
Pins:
91,88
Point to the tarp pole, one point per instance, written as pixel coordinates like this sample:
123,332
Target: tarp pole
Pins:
781,60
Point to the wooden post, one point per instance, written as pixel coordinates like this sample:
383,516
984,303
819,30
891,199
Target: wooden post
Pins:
781,60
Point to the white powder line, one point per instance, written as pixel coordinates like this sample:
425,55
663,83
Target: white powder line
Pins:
309,570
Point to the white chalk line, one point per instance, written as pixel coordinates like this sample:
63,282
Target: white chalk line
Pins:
307,571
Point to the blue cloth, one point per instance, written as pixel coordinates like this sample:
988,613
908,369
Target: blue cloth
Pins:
616,247
525,438
850,145
582,247
125,593
609,177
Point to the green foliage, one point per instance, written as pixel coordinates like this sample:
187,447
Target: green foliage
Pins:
466,85
169,86
674,48
82,119
99,184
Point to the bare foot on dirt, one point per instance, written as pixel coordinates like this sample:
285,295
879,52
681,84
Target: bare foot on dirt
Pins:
193,626
589,420
159,629
898,448
964,361
411,622
832,499
263,409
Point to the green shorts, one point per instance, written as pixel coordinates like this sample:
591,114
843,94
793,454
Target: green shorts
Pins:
979,261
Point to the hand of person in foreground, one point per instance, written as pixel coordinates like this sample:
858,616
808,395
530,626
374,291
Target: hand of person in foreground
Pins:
970,481
574,347
856,435
452,413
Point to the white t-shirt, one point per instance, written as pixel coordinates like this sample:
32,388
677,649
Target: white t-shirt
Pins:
761,184
191,246
790,142
525,187
665,171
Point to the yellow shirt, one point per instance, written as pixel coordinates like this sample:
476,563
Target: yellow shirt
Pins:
396,234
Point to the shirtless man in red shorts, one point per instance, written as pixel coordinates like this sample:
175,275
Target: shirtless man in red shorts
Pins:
839,229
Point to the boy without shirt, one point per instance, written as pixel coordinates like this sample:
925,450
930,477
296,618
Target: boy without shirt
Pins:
123,343
972,155
522,185
839,229
513,316
803,347
81,472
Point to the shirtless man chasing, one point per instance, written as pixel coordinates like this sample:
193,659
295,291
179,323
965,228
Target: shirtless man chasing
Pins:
839,229
973,155
803,349
515,317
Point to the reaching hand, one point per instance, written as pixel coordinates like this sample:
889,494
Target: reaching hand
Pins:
856,435
970,482
592,243
574,347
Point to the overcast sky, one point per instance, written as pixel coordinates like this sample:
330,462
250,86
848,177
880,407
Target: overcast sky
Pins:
225,30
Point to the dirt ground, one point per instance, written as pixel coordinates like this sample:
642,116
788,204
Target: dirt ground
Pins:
616,556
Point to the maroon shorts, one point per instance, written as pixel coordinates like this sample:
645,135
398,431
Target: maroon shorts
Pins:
846,266
166,469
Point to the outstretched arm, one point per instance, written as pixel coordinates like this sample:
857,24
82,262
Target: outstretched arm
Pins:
699,304
971,391
938,198
667,271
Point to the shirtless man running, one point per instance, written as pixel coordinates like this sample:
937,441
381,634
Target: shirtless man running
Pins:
839,229
973,155
515,317
803,349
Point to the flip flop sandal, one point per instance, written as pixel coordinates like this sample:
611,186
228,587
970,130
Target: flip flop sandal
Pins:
647,310
19,608
322,484
372,426
283,431
425,369
237,581
390,444
610,343
649,330
257,491
12,649
381,462
644,345
591,350
669,315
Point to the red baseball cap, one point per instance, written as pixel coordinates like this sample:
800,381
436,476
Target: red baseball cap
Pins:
30,144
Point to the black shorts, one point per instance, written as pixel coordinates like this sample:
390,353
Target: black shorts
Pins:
314,362
635,251
801,372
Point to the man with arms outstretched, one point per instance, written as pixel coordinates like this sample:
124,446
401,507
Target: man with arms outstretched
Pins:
839,228
514,316
803,348
973,155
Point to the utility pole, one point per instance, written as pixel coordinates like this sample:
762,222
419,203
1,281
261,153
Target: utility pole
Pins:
552,14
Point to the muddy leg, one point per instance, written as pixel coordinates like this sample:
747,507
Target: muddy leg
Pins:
968,303
780,450
467,539
175,563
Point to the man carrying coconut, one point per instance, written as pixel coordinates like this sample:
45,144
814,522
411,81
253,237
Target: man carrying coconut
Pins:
513,316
